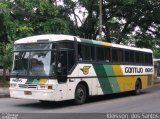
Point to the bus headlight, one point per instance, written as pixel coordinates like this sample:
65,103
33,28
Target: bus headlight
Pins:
45,87
42,87
12,92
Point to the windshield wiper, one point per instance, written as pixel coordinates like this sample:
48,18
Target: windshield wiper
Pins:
17,74
34,74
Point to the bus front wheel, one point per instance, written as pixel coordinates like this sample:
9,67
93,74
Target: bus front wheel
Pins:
138,87
80,94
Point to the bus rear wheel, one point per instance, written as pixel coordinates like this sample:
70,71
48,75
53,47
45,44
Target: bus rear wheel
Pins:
138,87
80,94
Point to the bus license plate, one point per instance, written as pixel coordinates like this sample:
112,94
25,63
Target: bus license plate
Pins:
27,92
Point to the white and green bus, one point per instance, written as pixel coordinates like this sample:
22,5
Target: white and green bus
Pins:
62,67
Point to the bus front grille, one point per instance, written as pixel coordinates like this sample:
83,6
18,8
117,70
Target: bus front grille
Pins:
27,86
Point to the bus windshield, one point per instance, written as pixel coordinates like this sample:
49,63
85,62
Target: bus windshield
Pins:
40,63
34,62
20,63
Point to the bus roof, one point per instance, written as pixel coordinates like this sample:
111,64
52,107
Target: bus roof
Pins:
49,37
60,37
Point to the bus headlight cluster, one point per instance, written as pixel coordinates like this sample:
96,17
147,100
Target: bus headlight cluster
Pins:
45,87
13,85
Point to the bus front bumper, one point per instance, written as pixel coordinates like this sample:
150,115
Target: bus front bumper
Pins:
48,95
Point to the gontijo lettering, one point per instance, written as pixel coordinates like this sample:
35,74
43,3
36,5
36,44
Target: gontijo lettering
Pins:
137,69
133,70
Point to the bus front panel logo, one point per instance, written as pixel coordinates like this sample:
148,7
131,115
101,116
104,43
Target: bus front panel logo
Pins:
85,70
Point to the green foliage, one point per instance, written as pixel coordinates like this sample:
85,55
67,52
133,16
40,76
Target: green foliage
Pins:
57,26
24,31
157,53
6,51
4,10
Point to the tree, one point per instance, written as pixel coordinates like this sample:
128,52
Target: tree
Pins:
90,25
4,8
134,22
136,18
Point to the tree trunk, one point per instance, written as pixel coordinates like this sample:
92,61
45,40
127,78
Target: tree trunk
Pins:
4,73
3,62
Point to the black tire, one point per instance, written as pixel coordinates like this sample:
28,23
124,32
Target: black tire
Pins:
138,87
80,94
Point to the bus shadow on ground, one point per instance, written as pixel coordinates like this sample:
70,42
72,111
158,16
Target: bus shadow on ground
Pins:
113,96
93,99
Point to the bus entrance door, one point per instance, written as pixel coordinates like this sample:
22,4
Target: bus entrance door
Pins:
62,66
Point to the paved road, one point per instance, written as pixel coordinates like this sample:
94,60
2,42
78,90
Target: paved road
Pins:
147,102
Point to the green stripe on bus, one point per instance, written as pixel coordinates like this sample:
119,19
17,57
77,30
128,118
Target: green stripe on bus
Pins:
104,82
91,41
112,80
32,81
86,41
96,42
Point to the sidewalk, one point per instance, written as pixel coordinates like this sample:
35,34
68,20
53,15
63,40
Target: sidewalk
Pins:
158,80
4,92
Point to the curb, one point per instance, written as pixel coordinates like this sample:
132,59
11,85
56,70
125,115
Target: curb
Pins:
4,96
4,92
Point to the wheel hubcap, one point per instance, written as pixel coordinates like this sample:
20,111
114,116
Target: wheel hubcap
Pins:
80,93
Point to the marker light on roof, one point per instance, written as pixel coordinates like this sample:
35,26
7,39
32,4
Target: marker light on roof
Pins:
43,40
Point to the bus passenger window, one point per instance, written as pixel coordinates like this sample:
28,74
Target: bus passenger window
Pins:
139,57
100,54
114,55
150,59
92,53
108,55
86,51
132,57
127,56
79,52
117,55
